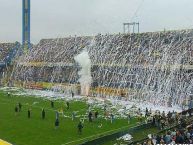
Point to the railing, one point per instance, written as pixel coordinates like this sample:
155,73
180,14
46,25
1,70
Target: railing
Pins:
164,130
63,64
107,137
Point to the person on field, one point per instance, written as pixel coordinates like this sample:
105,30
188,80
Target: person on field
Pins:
146,113
57,114
43,113
73,115
56,123
20,106
96,114
128,118
52,104
72,94
16,110
90,116
29,113
68,105
80,127
8,94
112,117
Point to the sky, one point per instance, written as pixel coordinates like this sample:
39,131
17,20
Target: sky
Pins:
62,18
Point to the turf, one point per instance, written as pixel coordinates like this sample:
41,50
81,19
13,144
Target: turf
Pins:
20,130
137,136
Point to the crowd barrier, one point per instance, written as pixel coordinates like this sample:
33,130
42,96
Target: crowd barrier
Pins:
102,139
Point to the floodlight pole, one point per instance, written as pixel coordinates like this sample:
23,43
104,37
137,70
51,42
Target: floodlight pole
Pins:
26,24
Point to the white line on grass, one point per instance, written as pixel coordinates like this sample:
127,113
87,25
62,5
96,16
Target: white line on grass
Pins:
104,133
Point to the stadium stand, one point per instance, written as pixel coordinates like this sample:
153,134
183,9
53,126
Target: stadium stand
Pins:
4,50
150,62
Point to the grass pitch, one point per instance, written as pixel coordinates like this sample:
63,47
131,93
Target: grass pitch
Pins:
21,130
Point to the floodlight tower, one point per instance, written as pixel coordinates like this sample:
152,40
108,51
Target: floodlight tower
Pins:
26,24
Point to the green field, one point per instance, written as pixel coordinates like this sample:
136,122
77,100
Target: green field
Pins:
137,135
20,130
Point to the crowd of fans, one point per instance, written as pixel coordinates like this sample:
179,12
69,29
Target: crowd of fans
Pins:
4,50
57,50
153,62
144,48
181,134
120,49
47,74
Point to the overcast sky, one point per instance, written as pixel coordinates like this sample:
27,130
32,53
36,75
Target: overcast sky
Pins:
60,18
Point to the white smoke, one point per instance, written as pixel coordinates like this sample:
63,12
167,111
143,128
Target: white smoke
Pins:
85,80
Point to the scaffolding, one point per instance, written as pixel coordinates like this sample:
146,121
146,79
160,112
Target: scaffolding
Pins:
129,27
